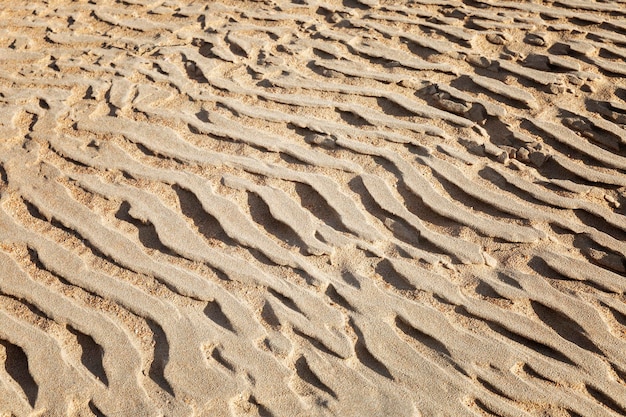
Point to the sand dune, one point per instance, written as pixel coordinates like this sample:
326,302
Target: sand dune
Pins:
312,208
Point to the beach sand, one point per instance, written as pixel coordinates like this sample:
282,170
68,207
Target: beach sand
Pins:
312,208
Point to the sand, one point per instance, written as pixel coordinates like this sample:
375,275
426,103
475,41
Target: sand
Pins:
312,208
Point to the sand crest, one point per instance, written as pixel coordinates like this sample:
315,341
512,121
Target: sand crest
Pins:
312,208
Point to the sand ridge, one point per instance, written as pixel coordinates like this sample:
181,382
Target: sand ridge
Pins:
312,208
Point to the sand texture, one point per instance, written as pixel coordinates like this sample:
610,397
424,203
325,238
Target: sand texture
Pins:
313,208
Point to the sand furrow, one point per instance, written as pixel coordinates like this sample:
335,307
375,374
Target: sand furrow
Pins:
312,208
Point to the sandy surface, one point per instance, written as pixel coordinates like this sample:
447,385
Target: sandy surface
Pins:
312,208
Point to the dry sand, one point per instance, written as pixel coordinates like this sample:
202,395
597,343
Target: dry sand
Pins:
312,208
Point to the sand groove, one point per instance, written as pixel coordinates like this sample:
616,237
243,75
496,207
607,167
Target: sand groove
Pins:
312,208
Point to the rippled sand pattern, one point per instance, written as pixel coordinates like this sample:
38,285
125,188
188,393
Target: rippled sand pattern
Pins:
313,208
